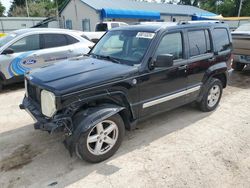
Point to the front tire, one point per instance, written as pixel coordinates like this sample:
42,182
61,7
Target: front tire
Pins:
237,66
102,140
211,96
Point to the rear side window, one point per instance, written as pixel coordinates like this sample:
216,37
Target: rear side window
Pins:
71,40
54,40
101,27
114,25
221,39
57,40
199,42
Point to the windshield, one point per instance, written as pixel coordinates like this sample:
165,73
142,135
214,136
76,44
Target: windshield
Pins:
128,47
4,40
245,27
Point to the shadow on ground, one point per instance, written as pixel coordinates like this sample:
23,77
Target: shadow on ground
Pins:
25,151
12,87
240,79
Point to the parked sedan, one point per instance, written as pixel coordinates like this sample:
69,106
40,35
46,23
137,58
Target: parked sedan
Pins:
23,50
241,44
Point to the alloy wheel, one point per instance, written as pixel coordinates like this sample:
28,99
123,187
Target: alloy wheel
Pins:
102,137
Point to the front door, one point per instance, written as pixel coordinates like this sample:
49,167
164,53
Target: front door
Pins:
162,89
23,58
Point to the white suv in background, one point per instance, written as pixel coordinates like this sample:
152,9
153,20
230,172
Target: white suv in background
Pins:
25,49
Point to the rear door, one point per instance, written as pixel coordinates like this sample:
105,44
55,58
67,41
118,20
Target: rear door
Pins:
23,58
56,47
165,88
201,57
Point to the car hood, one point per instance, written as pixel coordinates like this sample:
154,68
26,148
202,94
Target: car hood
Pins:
78,74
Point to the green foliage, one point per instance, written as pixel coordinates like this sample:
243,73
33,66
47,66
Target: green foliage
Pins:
189,2
45,8
2,9
226,7
37,8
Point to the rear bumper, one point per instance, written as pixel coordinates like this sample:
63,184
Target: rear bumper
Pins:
42,122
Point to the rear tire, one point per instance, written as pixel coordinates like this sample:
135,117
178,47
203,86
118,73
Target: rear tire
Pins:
237,66
211,96
98,143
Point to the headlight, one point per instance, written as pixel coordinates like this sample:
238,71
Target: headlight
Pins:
48,103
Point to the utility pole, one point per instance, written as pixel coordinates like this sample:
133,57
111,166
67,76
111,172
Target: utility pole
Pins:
240,8
57,14
27,8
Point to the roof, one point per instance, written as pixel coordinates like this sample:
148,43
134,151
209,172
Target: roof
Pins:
139,14
23,18
31,30
170,9
156,26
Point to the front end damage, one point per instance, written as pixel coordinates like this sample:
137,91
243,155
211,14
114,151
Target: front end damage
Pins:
64,121
59,123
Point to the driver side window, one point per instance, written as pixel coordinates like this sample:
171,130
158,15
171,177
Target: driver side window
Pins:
28,43
171,44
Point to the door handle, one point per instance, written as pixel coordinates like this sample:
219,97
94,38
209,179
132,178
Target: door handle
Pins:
70,50
182,67
212,59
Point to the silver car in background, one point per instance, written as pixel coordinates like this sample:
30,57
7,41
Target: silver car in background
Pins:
23,50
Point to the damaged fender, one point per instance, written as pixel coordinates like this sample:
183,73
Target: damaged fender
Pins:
86,119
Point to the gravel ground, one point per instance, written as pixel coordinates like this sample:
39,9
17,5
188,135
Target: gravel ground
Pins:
180,148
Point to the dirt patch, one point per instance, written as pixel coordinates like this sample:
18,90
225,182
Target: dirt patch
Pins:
20,157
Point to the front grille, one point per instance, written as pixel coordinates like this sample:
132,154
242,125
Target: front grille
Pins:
34,93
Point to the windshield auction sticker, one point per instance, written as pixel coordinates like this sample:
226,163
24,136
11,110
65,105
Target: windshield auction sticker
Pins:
145,35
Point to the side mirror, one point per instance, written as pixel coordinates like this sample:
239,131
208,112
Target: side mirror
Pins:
8,51
164,60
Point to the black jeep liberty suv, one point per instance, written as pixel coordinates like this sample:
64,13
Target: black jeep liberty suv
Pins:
132,73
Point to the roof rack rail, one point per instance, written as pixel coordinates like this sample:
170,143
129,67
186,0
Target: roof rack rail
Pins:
182,22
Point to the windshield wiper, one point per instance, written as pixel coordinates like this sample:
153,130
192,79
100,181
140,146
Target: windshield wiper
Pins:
106,57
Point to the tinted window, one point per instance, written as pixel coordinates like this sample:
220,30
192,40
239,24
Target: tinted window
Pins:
171,44
114,25
71,40
221,39
101,27
54,40
28,43
199,42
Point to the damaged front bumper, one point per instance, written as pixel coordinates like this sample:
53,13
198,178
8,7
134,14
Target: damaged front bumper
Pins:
57,123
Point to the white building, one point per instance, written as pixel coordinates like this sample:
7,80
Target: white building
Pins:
8,24
84,14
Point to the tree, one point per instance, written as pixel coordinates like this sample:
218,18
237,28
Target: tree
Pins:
2,9
189,2
226,7
37,8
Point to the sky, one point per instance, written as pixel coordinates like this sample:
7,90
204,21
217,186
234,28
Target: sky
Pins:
7,4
